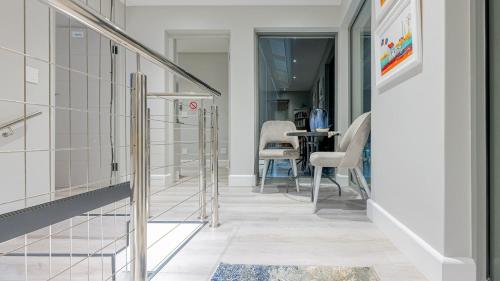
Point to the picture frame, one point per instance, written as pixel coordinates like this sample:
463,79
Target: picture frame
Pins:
398,45
382,7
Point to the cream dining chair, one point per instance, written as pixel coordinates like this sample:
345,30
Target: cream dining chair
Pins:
348,155
274,132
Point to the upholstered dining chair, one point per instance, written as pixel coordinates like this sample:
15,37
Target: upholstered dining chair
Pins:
274,132
348,155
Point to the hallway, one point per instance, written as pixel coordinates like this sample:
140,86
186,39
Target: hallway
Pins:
278,228
127,126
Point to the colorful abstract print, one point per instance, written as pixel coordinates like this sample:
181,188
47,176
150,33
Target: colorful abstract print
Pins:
395,53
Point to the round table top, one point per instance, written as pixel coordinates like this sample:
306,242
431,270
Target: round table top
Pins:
310,134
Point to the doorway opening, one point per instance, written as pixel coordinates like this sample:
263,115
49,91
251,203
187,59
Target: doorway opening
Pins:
296,76
207,57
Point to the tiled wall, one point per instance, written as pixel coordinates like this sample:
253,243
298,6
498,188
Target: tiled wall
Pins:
95,131
52,64
27,146
56,66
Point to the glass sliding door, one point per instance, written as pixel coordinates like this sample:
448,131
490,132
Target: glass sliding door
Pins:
361,71
296,76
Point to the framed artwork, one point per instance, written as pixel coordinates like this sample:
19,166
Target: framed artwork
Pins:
398,45
382,7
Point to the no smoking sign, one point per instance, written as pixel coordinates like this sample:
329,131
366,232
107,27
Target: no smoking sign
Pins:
193,105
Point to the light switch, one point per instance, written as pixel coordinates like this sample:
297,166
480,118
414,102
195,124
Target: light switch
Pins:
184,151
32,75
77,34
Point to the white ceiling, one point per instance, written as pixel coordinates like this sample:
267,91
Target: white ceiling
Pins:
233,2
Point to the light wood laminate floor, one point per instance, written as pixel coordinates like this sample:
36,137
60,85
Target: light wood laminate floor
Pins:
271,228
279,228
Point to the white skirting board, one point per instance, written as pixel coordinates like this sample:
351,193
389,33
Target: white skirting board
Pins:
428,260
161,179
242,180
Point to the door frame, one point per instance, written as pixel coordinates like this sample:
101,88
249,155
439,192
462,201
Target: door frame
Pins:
480,137
288,32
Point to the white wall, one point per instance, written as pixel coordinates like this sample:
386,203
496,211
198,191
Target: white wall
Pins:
212,68
242,24
421,135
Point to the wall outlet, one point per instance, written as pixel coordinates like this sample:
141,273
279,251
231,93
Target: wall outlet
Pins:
32,75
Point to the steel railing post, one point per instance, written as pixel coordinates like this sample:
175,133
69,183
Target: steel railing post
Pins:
202,164
139,201
148,160
214,222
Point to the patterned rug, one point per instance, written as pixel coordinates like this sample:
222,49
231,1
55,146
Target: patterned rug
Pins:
242,272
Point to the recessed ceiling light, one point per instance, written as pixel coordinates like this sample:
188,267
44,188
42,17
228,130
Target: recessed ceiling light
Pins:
294,60
294,77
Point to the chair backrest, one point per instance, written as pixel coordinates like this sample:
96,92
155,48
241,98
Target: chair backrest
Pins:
274,132
354,140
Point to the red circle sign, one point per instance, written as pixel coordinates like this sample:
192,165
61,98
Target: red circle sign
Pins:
193,105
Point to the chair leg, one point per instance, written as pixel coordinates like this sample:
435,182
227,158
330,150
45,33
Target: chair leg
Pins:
318,171
353,174
295,173
335,181
362,181
311,169
264,173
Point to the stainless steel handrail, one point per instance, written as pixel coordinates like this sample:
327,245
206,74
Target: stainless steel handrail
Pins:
107,28
181,95
19,120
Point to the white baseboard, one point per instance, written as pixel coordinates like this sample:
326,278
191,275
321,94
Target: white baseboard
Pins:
428,260
242,180
161,179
